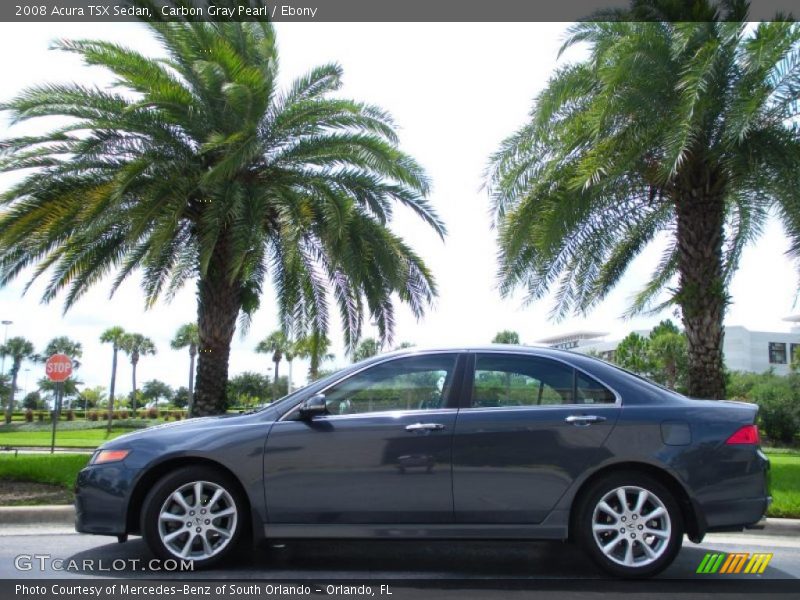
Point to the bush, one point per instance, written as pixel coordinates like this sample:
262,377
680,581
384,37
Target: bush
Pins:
124,413
70,415
40,417
93,415
152,413
778,399
780,419
178,415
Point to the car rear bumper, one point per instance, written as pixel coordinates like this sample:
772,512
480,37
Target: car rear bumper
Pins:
735,515
741,499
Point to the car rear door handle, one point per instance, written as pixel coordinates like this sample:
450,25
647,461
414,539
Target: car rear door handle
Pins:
584,419
425,427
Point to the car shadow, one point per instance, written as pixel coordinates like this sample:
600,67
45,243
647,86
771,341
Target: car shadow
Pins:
359,559
431,564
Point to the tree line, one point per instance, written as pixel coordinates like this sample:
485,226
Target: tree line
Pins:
245,389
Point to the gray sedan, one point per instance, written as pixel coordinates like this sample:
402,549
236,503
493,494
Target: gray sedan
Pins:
497,442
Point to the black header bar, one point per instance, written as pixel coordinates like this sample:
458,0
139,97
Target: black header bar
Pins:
336,10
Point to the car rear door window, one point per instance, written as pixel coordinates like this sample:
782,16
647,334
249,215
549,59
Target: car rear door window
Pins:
515,380
591,391
503,380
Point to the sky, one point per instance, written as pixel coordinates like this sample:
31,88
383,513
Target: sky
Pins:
455,90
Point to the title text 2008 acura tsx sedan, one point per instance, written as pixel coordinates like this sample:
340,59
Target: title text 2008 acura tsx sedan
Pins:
498,442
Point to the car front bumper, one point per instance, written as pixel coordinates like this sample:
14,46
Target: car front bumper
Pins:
101,498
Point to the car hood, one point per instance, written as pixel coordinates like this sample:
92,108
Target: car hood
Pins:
182,428
186,425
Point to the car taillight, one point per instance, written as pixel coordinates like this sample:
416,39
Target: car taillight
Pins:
745,435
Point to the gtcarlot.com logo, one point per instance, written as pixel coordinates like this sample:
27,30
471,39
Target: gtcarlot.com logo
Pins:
735,562
46,562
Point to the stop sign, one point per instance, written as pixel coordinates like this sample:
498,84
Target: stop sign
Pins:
58,367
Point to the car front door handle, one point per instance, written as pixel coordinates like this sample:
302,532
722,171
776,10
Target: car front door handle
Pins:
584,419
425,427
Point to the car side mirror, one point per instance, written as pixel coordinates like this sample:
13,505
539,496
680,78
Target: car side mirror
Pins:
313,407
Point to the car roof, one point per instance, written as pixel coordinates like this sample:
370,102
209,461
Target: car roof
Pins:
609,374
540,350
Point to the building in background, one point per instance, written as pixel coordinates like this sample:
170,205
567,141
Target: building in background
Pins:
744,350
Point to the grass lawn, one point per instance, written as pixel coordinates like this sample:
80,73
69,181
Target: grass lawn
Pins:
785,484
58,469
80,438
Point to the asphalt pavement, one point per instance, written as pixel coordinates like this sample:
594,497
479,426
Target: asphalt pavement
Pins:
85,556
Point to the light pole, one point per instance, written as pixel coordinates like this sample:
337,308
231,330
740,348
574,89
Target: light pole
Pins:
5,340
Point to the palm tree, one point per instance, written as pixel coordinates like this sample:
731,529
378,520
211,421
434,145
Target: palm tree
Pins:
198,166
136,345
114,336
276,344
314,346
506,337
292,349
64,345
188,335
678,127
368,348
404,345
19,349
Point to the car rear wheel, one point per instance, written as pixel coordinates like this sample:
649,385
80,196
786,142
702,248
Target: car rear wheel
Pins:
193,513
630,525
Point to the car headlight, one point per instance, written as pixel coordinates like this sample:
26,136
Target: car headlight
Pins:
107,456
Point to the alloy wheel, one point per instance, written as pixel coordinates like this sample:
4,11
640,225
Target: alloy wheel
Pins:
197,520
631,526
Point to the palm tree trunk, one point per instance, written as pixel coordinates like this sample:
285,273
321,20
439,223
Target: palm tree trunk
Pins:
218,305
672,374
275,382
702,292
10,405
133,383
192,354
111,388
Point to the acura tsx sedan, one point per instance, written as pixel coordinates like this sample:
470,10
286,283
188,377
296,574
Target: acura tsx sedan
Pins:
497,442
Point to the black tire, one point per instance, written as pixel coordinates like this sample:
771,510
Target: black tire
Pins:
665,550
222,548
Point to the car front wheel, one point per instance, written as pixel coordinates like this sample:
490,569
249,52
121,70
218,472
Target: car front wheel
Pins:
630,525
193,513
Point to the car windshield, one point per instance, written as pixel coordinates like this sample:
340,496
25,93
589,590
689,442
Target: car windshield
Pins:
300,391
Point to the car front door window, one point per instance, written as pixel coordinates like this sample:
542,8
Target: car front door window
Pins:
415,383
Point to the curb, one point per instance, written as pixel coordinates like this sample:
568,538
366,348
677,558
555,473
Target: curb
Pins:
37,515
775,526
